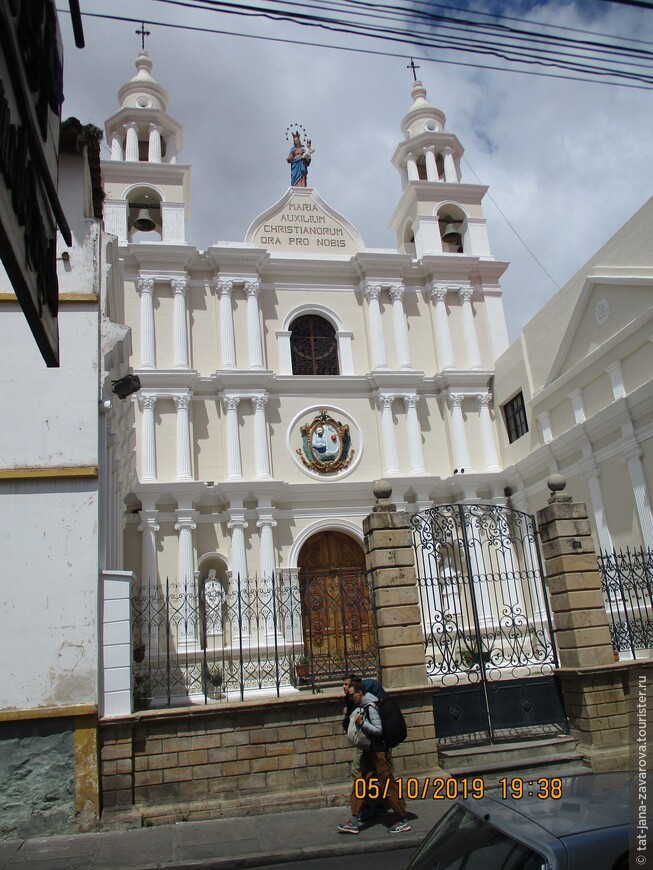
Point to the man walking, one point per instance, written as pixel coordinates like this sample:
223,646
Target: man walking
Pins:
375,763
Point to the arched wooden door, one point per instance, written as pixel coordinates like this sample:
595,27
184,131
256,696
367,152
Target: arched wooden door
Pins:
337,622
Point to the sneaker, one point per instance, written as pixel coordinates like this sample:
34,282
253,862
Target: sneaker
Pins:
348,828
399,828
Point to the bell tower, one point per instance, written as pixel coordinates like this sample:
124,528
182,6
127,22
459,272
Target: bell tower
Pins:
437,213
147,189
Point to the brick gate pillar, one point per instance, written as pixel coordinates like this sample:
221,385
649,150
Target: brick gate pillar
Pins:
595,688
390,561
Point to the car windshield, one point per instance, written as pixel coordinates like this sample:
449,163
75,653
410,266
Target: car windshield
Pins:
461,841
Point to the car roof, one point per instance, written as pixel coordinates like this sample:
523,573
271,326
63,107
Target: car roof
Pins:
589,802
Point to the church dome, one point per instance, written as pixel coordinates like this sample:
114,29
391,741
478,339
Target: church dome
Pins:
422,117
142,91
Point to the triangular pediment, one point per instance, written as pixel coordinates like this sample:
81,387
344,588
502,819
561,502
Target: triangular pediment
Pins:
606,306
302,223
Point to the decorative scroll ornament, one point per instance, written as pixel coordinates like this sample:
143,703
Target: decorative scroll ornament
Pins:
326,445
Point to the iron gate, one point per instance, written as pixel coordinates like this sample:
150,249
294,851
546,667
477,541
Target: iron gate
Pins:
488,634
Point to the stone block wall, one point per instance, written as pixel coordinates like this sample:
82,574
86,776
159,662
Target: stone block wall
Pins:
245,758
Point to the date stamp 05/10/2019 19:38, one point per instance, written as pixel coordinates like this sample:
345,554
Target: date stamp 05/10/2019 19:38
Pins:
439,788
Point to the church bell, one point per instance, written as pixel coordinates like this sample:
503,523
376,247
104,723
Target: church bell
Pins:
144,222
451,235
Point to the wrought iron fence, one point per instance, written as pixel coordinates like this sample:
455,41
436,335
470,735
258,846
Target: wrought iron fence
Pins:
627,585
222,639
485,613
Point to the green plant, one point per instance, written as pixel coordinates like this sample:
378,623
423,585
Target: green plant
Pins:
303,660
142,691
213,675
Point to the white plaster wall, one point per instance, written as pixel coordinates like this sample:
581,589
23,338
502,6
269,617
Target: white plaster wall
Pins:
49,415
49,546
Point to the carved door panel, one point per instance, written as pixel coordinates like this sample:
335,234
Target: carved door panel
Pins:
336,619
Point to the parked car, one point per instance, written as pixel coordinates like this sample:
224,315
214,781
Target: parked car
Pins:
584,827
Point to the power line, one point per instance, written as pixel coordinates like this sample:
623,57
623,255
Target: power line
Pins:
643,85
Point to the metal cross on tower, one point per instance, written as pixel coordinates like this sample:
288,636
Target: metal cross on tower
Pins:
412,65
142,33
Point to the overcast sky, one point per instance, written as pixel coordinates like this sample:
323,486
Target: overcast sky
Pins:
567,162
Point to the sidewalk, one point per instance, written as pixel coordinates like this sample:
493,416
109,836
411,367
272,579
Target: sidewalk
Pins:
223,844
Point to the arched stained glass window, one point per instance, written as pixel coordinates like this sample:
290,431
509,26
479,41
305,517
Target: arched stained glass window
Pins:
313,346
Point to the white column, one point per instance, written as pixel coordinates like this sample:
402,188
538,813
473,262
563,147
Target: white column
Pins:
237,525
469,328
591,474
441,323
265,524
224,290
148,440
490,456
131,144
458,436
146,289
234,463
633,458
188,624
344,351
261,444
375,326
414,435
450,171
179,326
388,431
116,147
411,168
253,325
431,165
401,331
154,146
171,149
149,569
149,577
184,460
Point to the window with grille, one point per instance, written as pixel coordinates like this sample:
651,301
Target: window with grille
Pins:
313,346
514,414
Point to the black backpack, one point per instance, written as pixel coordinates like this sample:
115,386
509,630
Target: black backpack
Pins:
392,721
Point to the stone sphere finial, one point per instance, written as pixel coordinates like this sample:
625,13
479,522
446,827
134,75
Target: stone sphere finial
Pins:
556,482
382,492
381,489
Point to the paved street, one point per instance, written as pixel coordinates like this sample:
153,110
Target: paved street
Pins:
226,844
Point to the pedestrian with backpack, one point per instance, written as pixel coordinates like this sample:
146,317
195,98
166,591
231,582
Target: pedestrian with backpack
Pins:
365,725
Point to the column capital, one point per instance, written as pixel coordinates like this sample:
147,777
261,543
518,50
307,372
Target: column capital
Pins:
438,291
145,285
396,292
148,521
465,293
147,401
182,402
371,289
155,127
385,400
231,402
591,471
259,401
631,451
179,285
447,150
186,522
252,288
455,400
266,521
429,148
410,400
483,400
222,287
238,522
131,125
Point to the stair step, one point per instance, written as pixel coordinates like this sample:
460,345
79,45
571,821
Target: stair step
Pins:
504,765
